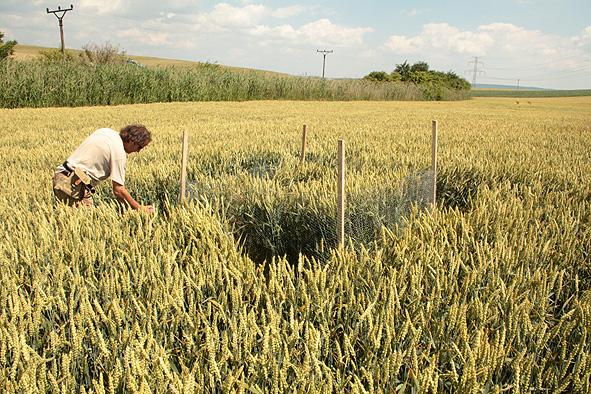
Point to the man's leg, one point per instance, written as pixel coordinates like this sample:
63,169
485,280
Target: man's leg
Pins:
86,200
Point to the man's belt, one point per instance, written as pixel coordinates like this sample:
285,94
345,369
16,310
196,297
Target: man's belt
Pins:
68,169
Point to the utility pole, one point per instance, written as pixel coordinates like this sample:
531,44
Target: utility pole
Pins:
476,71
324,53
518,83
60,19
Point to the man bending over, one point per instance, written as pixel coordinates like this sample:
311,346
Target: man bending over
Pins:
100,156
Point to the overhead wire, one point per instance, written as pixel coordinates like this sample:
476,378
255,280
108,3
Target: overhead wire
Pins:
548,76
538,65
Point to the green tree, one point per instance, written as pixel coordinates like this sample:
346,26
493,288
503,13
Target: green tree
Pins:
419,77
6,48
404,71
434,85
419,66
457,82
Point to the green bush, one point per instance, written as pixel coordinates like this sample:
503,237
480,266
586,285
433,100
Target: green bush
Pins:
434,85
6,48
378,76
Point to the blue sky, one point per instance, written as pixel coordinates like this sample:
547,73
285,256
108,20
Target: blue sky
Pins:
544,43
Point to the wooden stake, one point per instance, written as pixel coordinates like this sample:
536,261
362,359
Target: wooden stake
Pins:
434,159
184,160
303,153
341,194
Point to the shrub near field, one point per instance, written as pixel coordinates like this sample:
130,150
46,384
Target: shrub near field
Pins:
42,84
489,292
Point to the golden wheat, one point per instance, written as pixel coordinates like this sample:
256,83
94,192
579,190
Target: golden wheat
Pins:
488,292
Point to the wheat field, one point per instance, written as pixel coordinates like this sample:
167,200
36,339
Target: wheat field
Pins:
241,289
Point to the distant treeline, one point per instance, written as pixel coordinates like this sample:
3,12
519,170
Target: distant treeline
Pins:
44,83
434,84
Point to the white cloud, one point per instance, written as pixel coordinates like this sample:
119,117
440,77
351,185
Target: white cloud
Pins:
404,45
441,36
150,38
583,42
181,20
320,32
226,15
586,34
533,46
100,7
252,19
284,32
324,31
288,12
238,23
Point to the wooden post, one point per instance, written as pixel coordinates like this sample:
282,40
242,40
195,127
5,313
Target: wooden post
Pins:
341,194
434,159
303,153
184,160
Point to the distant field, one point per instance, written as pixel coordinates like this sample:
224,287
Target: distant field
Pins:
30,52
529,93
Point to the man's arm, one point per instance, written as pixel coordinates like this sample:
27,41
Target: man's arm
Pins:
123,195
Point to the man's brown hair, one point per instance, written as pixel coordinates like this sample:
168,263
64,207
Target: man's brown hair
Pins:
136,133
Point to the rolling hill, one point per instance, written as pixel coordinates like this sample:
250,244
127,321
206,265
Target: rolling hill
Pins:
30,52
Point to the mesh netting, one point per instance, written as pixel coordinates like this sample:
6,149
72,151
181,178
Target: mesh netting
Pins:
277,212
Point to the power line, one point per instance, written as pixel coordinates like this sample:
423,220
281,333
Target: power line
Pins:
538,65
60,19
573,73
324,53
559,77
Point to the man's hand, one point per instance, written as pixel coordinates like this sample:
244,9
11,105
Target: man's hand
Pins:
148,208
123,195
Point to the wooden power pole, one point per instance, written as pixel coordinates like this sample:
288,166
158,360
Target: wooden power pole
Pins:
324,53
60,18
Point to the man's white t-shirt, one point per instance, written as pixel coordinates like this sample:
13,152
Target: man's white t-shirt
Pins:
101,156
